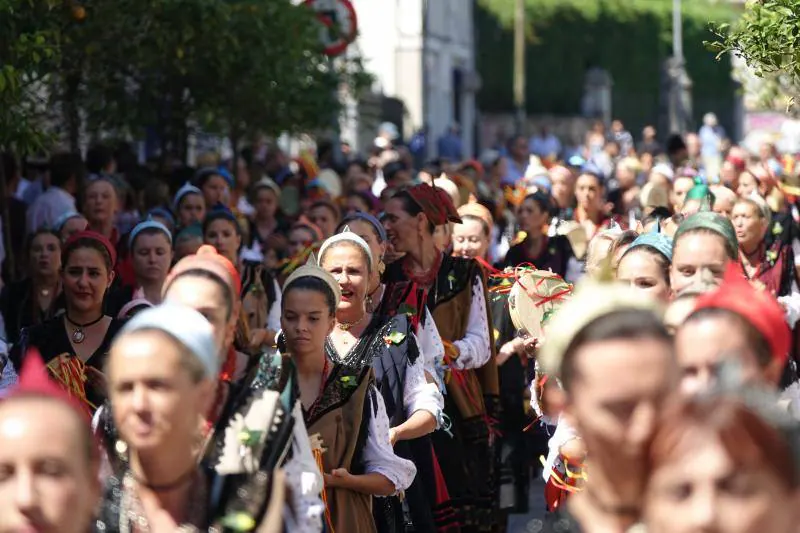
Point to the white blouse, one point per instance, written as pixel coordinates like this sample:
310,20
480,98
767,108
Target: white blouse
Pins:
304,479
431,349
474,348
418,394
379,456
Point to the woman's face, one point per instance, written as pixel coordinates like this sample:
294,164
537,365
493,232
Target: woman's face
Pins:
402,228
367,232
45,256
207,297
588,192
100,205
348,266
215,190
750,226
355,203
266,203
192,210
701,489
324,218
222,235
86,279
73,226
157,404
152,255
641,270
563,188
531,218
470,239
698,257
306,322
747,184
299,240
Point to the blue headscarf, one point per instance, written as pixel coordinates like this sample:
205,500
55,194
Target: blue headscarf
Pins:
657,241
148,224
366,217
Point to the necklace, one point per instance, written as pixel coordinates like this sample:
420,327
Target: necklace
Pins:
345,326
132,516
424,279
78,335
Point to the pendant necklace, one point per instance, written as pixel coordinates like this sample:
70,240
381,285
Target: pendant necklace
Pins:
78,335
345,326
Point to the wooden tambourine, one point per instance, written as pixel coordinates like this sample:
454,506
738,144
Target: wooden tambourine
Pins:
535,295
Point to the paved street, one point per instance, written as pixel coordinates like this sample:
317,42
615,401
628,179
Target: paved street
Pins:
532,521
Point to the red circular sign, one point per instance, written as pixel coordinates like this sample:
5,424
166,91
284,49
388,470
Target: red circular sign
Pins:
339,24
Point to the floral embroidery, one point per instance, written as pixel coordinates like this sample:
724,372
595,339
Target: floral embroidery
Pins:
348,382
249,437
772,256
395,337
777,229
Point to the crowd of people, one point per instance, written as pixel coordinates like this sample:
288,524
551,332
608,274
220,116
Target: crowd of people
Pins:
329,343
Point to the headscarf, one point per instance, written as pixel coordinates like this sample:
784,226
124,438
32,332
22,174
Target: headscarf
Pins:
221,212
148,224
759,308
435,203
185,190
312,269
349,236
93,235
479,211
185,325
590,301
657,241
209,260
204,174
266,183
163,213
701,192
58,225
712,222
366,217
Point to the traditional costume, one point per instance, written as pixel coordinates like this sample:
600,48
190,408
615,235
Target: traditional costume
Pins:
455,293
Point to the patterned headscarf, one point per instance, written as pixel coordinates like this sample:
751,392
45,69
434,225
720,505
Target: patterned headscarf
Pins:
435,203
713,222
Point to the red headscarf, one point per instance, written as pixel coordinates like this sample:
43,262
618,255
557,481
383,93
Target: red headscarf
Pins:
207,258
758,308
435,203
93,235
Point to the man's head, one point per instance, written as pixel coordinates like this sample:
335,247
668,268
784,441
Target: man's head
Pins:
66,171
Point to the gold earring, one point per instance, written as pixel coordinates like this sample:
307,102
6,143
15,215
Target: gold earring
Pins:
381,267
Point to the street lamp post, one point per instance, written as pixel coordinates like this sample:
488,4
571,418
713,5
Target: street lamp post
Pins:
519,66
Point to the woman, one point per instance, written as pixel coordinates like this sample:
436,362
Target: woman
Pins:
547,253
100,207
369,228
150,243
161,374
772,267
388,345
734,323
37,298
748,184
451,291
344,414
75,346
302,236
590,211
267,226
189,205
221,230
325,215
210,284
472,237
69,224
719,464
645,265
214,186
701,249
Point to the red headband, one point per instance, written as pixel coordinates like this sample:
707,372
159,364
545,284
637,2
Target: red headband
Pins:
758,308
93,235
435,203
207,258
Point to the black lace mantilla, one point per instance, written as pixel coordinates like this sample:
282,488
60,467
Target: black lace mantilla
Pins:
340,385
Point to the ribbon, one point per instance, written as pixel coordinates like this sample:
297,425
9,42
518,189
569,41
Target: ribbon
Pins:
317,452
70,371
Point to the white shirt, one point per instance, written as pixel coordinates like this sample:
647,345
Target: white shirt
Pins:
48,207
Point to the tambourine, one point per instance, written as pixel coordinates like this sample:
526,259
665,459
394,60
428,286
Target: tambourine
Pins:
576,235
535,295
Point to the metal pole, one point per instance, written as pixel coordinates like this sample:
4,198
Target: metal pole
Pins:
519,66
677,30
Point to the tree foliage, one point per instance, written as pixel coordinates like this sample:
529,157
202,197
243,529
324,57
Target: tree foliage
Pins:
123,67
767,37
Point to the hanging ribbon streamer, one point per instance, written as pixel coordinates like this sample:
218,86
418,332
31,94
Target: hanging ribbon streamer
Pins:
71,373
317,452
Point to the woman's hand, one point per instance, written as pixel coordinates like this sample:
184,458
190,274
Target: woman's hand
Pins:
97,380
338,478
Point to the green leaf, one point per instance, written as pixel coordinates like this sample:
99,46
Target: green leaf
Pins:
395,337
239,521
406,309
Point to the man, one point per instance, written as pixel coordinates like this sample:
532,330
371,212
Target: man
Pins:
66,171
623,138
517,160
614,358
649,144
48,458
100,161
545,145
450,146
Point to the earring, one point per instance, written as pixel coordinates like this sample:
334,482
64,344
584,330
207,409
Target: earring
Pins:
381,267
